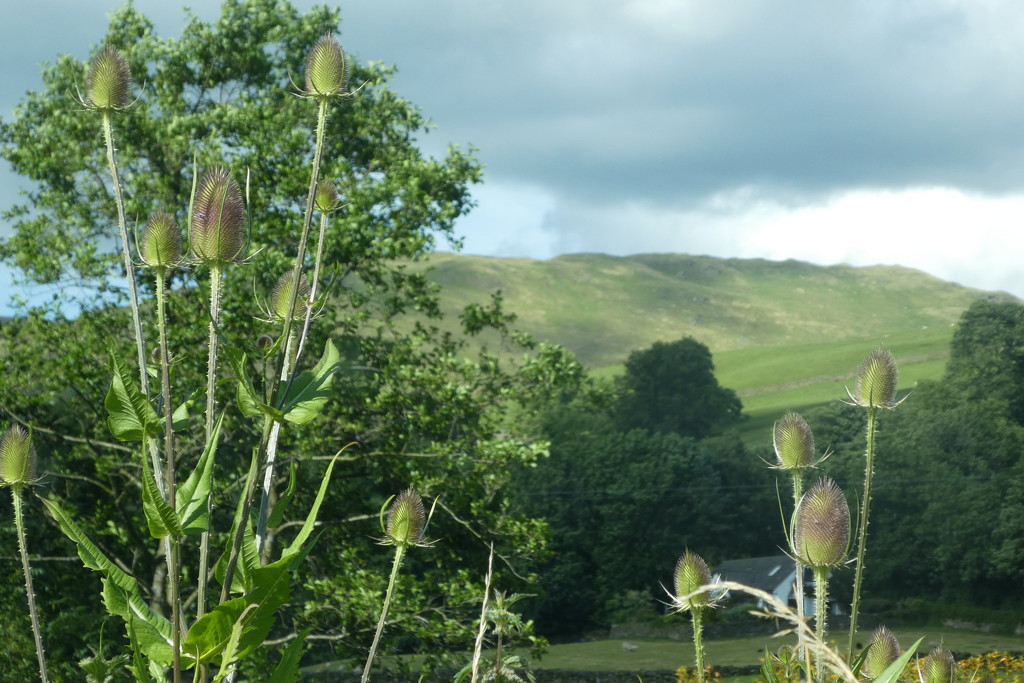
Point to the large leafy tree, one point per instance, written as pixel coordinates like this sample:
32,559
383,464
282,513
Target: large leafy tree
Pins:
419,410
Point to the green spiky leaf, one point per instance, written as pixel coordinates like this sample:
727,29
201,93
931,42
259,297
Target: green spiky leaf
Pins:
193,493
310,390
129,415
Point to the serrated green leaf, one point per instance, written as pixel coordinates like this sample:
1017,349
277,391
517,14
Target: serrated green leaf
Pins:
192,495
287,670
249,401
241,581
893,671
150,631
230,651
277,514
161,517
129,415
92,557
307,527
310,390
208,636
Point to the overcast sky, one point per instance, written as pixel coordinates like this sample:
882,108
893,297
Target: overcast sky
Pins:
889,131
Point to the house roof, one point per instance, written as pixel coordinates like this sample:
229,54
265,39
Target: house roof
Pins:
765,573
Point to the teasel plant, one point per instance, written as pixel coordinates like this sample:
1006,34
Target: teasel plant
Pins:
882,650
939,667
819,537
326,81
793,442
692,573
108,92
18,470
160,249
875,391
404,527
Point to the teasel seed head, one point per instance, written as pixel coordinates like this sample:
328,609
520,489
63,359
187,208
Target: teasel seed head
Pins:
406,519
883,649
876,381
282,296
325,198
691,573
821,526
264,342
939,666
17,458
161,241
109,80
326,68
218,219
794,443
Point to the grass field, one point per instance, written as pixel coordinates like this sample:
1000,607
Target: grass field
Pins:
609,655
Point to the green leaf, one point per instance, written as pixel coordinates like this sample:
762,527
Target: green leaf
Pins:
287,670
893,671
180,416
228,654
277,514
92,557
249,401
150,631
208,636
241,581
130,416
192,495
310,390
307,527
161,517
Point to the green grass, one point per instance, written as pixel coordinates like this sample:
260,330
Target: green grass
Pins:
609,655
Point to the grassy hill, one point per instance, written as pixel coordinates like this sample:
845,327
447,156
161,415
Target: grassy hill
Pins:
782,333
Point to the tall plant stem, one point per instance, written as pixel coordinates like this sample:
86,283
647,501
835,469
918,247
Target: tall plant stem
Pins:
173,544
211,409
268,472
32,613
862,529
820,614
287,363
399,554
697,614
129,269
802,650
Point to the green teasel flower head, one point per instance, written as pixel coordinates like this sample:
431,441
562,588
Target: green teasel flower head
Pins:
820,533
218,219
883,649
160,246
17,458
939,667
282,296
794,443
406,520
326,68
325,197
877,378
691,573
109,80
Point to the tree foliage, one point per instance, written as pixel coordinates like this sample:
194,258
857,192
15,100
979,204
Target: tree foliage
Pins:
671,387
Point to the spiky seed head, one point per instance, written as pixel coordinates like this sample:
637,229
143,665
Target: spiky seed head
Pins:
406,519
161,241
325,197
794,443
326,68
691,573
218,219
109,80
264,342
17,458
282,296
876,380
939,666
883,649
821,526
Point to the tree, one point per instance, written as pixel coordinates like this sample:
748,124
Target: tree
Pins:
422,413
671,387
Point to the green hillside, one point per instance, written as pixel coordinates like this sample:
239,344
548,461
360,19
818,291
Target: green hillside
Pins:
782,333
